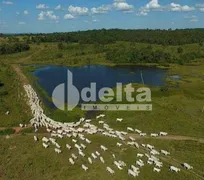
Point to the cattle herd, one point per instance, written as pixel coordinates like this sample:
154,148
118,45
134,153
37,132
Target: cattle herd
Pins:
146,154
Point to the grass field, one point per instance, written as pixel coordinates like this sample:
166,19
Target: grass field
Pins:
34,162
178,111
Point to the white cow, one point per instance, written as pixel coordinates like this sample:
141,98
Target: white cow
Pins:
119,144
132,173
150,147
103,148
83,146
187,166
102,160
44,139
119,119
74,140
57,150
138,131
139,163
74,156
84,167
174,169
165,152
118,165
68,146
135,169
143,134
163,134
93,155
90,160
131,138
45,145
71,161
35,138
97,153
140,155
156,170
154,135
88,141
81,154
110,170
130,129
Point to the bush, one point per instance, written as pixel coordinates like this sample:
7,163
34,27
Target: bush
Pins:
180,50
59,55
7,132
13,48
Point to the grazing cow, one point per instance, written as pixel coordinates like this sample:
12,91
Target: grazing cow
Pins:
110,170
150,147
163,134
113,156
60,136
44,139
130,129
138,131
154,152
154,135
174,169
88,141
57,150
158,164
81,154
21,125
156,170
101,122
57,145
143,134
149,162
132,173
165,152
68,146
118,165
140,155
103,148
84,167
93,155
88,120
102,115
74,156
131,138
135,169
144,145
187,166
83,146
136,145
71,161
102,160
45,145
74,140
119,144
119,119
97,153
130,143
139,163
90,160
35,138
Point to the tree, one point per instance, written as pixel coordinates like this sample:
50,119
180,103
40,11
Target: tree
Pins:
180,50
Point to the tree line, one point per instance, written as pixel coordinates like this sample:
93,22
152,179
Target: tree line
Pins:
149,55
9,48
103,36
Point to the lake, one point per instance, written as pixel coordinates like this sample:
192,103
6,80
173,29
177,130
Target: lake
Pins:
50,77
